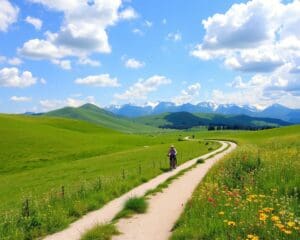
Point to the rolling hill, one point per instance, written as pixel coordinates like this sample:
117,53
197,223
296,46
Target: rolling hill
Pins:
94,114
186,120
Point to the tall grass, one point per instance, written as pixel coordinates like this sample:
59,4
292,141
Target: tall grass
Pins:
251,194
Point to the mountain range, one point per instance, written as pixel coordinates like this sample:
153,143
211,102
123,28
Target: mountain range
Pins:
274,111
156,122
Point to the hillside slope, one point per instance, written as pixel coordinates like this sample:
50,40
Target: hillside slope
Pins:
94,114
186,120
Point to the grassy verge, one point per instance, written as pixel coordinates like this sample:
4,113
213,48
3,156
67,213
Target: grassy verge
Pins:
132,206
251,194
101,232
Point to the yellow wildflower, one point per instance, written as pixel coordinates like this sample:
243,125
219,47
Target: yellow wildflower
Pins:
263,217
221,213
275,218
268,210
231,223
252,237
279,225
291,224
287,231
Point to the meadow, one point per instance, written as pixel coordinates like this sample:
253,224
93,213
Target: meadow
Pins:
54,170
251,194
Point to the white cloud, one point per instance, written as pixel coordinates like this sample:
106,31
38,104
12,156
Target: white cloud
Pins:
103,80
142,88
12,77
8,15
133,63
263,89
128,13
188,95
43,49
14,61
64,64
164,21
20,99
36,22
176,36
53,104
83,30
257,36
88,61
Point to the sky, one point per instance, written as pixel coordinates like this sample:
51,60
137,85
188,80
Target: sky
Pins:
56,53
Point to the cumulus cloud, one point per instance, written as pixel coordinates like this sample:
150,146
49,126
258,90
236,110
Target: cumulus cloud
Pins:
263,89
175,37
189,94
12,77
36,22
142,88
20,99
133,63
103,80
257,36
8,15
83,29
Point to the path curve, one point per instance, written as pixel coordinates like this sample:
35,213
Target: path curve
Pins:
108,211
165,208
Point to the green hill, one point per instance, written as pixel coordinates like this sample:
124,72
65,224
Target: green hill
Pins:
185,120
94,114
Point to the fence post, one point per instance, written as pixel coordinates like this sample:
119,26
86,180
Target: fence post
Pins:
123,173
62,191
26,212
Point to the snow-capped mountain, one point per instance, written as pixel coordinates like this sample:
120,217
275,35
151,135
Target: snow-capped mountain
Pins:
274,111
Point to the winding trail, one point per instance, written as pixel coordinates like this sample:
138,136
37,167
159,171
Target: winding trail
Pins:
164,208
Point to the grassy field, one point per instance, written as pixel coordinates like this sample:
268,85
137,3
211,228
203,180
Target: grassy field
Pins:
251,194
52,170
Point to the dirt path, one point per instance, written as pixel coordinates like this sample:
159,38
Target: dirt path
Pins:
108,211
165,208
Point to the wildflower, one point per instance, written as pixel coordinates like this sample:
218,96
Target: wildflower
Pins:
263,217
275,218
268,210
291,224
280,226
252,237
287,231
221,213
231,223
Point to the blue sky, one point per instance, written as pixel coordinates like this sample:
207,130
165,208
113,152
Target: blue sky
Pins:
55,53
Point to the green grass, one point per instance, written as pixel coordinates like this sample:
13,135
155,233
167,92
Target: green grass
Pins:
101,232
252,193
66,168
132,206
